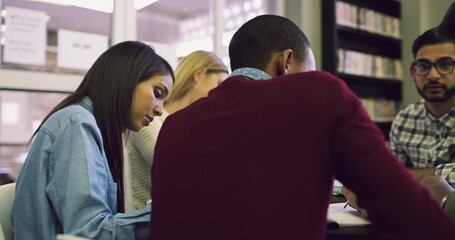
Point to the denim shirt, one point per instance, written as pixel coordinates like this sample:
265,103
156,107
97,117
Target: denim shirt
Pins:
65,185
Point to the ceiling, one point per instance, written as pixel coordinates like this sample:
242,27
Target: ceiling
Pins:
175,9
157,22
178,9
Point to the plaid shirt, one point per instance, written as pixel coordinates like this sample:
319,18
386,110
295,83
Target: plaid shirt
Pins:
421,140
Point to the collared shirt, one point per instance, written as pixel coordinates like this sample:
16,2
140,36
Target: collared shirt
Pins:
251,73
420,140
66,186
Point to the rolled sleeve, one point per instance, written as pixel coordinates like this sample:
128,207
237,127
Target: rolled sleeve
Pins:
447,171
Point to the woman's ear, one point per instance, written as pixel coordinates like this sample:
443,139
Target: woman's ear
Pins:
284,62
198,74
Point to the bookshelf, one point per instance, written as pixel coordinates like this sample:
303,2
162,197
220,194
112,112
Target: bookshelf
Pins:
362,45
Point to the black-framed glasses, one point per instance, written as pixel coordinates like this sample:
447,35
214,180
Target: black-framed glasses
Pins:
444,66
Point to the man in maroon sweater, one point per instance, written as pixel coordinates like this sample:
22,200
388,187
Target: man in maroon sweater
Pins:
256,158
447,25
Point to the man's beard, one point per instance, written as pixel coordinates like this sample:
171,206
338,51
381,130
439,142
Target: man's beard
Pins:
448,93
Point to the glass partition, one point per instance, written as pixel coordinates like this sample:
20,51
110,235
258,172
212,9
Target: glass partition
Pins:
39,36
21,112
51,35
182,27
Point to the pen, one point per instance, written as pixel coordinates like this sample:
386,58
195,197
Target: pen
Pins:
347,203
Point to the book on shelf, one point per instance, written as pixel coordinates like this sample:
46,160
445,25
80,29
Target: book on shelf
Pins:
363,64
365,19
380,110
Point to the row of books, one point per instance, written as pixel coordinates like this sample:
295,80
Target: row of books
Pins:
358,63
381,110
366,19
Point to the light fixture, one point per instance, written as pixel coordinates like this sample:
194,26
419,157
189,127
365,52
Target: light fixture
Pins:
106,6
98,5
140,4
56,2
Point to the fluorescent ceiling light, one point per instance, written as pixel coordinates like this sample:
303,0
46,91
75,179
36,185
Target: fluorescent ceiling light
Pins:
98,5
106,6
139,4
57,2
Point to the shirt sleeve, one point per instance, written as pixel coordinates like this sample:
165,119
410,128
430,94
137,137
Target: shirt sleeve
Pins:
144,141
81,188
447,171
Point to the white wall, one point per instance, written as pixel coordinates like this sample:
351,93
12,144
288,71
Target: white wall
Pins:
307,15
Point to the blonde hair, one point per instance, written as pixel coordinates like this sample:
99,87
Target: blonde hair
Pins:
184,73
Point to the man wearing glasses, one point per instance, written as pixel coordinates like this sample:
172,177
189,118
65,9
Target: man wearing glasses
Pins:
439,188
423,134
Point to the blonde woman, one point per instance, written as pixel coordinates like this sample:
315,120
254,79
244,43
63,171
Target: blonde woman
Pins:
196,75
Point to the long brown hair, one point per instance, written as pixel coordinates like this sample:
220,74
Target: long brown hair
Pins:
110,84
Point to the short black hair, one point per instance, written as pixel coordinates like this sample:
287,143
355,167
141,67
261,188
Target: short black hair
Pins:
447,25
258,39
430,37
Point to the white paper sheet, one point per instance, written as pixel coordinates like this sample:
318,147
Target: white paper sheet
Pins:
79,50
345,217
25,36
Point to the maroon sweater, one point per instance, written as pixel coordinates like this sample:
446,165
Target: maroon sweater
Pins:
447,25
256,160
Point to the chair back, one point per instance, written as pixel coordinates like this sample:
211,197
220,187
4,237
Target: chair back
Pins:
2,236
7,192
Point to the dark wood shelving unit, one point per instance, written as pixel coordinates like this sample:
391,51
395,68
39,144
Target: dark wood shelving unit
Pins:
370,87
335,37
349,38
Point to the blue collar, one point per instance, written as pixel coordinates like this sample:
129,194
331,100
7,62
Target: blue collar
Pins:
251,73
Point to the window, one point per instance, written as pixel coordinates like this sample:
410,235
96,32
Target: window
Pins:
21,112
38,35
178,27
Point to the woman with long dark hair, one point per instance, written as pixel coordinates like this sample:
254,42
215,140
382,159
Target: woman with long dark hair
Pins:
71,181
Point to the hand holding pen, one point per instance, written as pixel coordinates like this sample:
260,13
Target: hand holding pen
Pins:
352,201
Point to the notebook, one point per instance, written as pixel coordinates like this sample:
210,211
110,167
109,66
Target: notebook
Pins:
344,217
